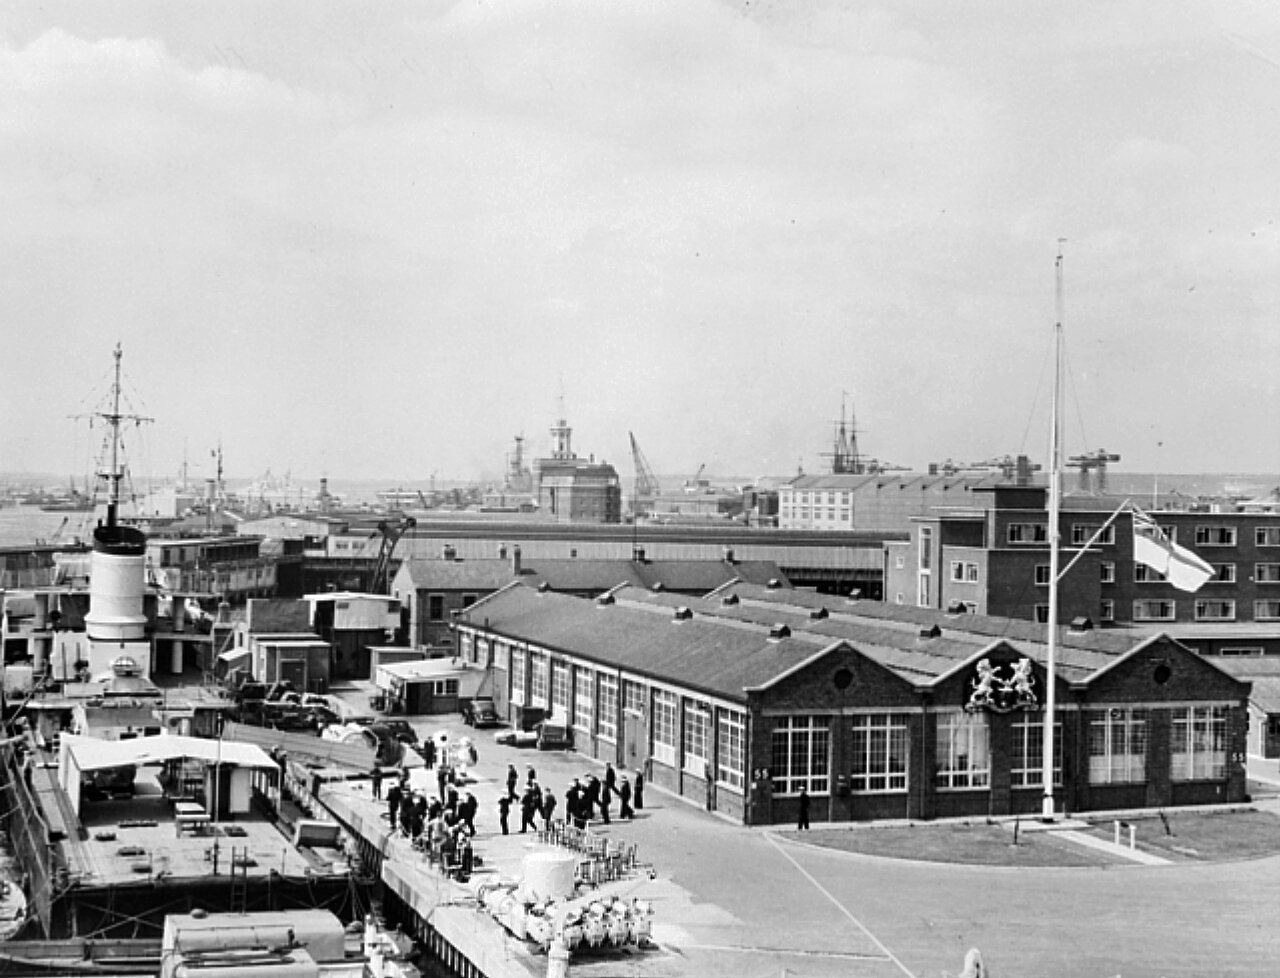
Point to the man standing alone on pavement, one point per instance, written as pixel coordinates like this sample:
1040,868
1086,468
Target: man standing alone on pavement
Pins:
803,822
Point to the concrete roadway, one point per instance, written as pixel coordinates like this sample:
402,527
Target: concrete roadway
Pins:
733,901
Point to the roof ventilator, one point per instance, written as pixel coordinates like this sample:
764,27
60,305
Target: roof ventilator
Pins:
683,613
930,631
779,631
819,613
1081,624
730,599
604,600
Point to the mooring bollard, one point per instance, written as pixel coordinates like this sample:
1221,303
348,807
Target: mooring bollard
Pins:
1133,833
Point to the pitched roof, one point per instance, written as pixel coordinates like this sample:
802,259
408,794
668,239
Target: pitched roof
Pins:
724,647
587,575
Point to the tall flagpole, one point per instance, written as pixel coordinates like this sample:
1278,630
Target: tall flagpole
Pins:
1055,507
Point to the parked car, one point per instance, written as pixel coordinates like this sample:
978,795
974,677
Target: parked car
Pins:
554,736
401,730
480,711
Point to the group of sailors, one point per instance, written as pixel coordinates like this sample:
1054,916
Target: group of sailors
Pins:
583,799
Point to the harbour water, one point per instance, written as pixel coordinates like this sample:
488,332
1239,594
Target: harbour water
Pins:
26,525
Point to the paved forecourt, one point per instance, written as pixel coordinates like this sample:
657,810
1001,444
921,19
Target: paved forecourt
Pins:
742,902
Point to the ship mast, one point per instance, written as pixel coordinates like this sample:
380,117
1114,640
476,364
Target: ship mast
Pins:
113,418
1055,507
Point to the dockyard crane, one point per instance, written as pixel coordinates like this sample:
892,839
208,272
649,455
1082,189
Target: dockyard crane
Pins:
1095,461
379,581
646,482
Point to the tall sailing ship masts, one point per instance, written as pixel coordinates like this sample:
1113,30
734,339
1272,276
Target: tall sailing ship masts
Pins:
1055,507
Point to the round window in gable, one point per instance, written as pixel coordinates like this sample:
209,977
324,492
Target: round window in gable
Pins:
1162,674
843,679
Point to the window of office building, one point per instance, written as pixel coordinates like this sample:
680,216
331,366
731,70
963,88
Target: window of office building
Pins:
1027,752
1028,533
1042,575
1215,536
1266,610
801,755
633,695
1223,574
731,739
665,724
1117,745
1266,573
1082,533
583,698
1198,743
963,756
517,676
1107,609
1267,536
538,678
608,720
879,753
697,732
1107,571
1142,574
560,687
1154,609
1215,609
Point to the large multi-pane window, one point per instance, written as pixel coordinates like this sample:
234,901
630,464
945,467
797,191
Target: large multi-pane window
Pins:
1028,533
1198,743
608,720
1026,761
1215,536
697,732
1154,609
1267,536
537,678
731,738
665,724
1082,533
879,753
560,687
633,695
1117,745
517,676
583,700
1266,609
801,755
1215,609
1266,573
963,752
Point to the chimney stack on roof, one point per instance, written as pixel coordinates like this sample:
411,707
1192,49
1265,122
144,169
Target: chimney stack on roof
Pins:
516,569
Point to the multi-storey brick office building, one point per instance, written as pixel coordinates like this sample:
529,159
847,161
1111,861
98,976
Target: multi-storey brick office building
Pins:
992,557
740,699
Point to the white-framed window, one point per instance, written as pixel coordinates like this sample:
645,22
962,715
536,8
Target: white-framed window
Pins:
1215,609
1041,611
963,757
1026,761
1215,536
584,682
1117,745
633,696
731,740
1107,609
1266,536
924,591
1154,609
1107,571
1082,532
697,734
964,571
1028,533
879,753
560,687
1142,574
926,548
1267,609
1042,575
1223,574
538,683
517,676
1198,743
665,723
801,755
1241,650
607,724
1266,573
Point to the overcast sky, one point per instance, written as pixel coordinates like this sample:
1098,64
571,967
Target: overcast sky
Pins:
378,240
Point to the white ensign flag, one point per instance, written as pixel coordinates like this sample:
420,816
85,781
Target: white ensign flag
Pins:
1184,569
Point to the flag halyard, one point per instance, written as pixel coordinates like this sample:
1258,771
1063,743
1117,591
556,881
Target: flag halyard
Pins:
1183,568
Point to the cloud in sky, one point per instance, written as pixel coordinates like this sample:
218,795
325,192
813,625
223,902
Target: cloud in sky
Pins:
380,240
